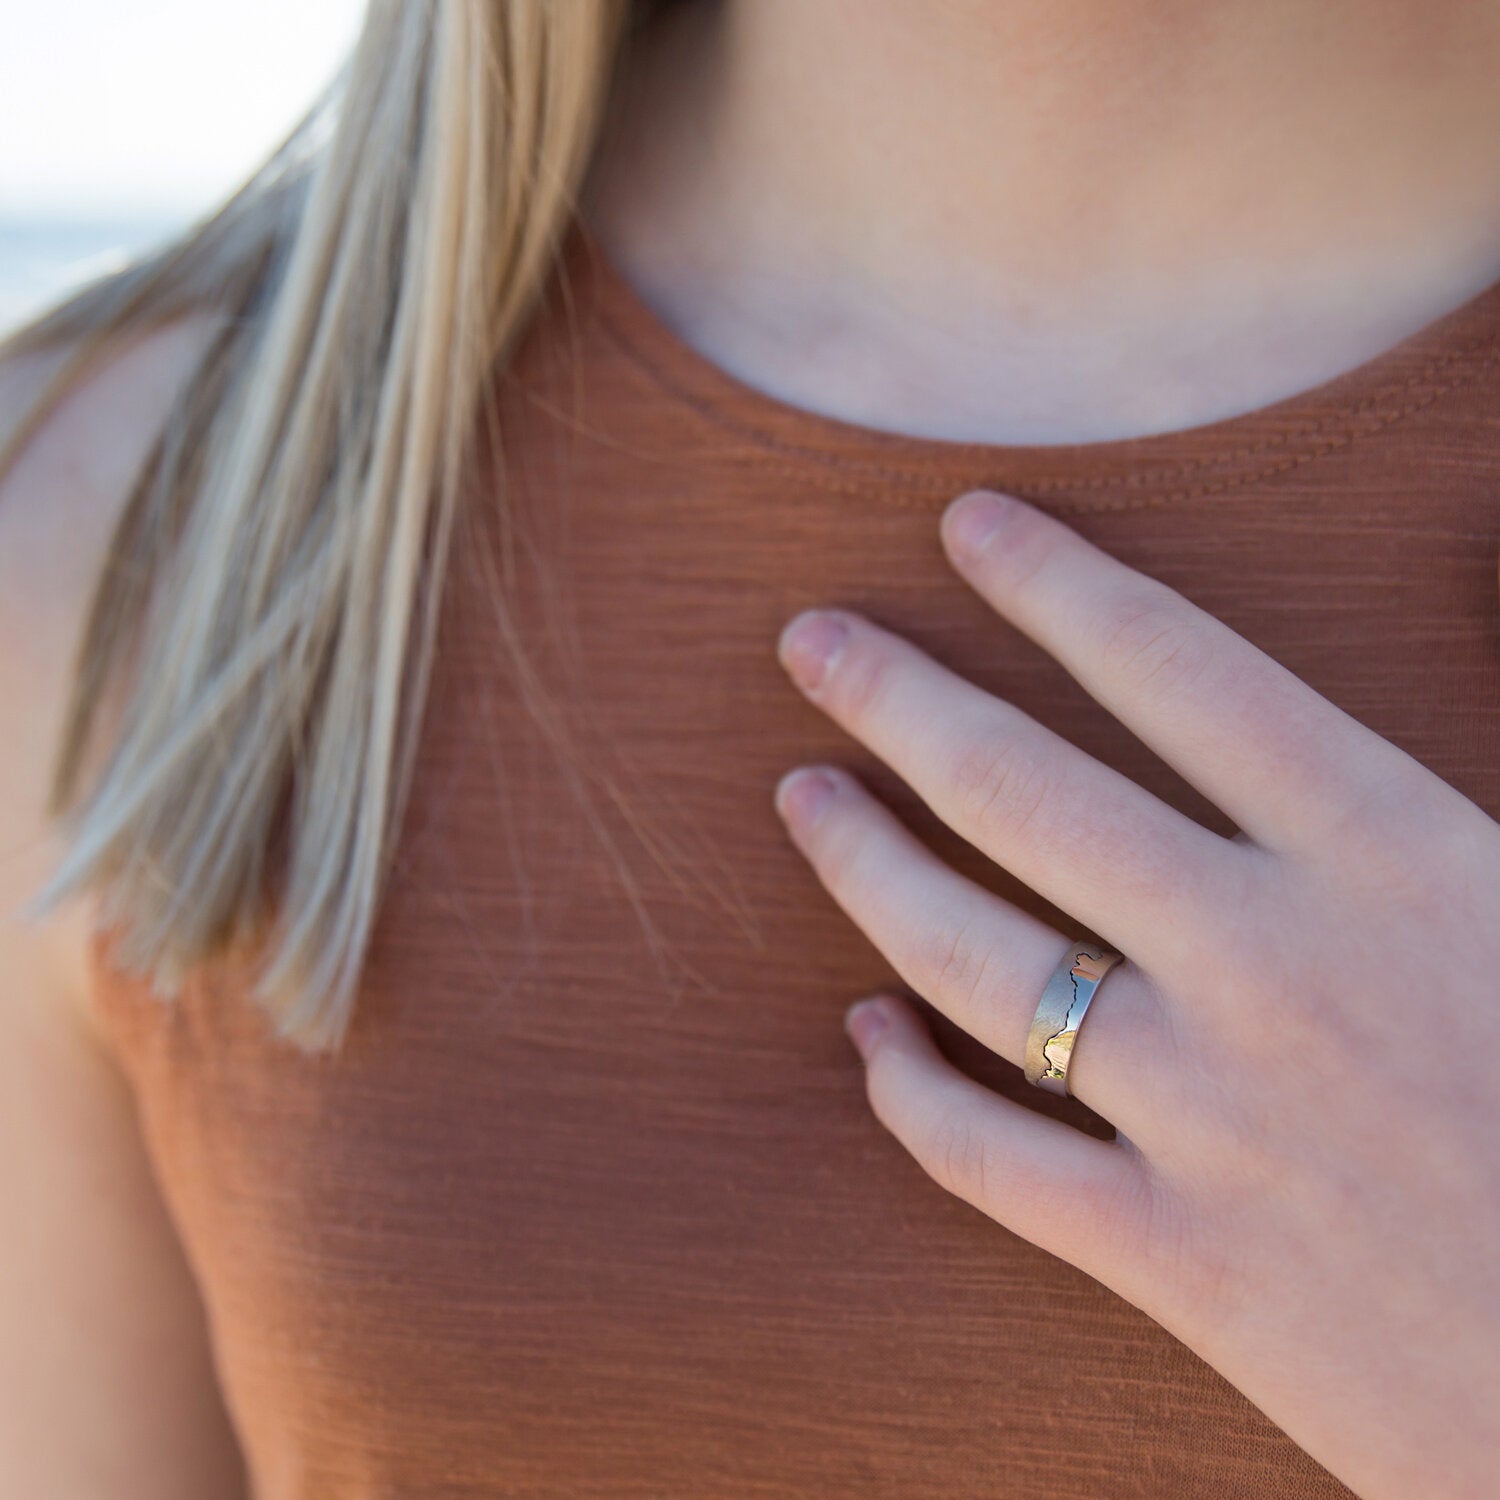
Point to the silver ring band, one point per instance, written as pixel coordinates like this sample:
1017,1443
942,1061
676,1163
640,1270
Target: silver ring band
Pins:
1059,1014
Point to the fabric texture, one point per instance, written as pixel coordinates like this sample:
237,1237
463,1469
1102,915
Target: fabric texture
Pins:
592,1204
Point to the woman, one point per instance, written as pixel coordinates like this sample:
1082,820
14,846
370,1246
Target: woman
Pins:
453,1081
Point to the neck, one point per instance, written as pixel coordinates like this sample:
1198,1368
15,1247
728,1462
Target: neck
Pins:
1115,216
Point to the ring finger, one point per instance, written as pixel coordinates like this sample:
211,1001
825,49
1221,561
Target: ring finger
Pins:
978,958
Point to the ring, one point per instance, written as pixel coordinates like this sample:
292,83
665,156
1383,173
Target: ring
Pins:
1059,1014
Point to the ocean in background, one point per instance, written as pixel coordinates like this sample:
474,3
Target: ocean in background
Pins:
42,257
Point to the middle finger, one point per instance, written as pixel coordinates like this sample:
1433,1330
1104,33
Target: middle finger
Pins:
1094,843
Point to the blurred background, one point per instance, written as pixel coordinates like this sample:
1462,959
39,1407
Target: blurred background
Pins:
120,122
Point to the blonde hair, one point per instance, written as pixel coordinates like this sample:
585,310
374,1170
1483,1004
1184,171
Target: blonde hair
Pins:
279,561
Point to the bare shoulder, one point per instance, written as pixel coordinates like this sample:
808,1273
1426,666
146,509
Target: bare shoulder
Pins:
98,1288
59,502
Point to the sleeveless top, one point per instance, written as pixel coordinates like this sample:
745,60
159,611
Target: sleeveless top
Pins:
591,1203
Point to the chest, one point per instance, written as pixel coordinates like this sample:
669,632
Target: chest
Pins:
592,1203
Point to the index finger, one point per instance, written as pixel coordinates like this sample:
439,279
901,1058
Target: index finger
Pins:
1276,756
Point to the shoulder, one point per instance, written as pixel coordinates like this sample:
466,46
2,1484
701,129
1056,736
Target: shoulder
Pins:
88,447
97,1288
60,499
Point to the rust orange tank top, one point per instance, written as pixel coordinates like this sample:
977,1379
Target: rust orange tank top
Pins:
591,1203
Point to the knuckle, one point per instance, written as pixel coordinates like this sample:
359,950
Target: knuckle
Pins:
1259,987
1151,644
1390,875
1401,834
1374,804
954,967
1000,785
958,1158
1084,830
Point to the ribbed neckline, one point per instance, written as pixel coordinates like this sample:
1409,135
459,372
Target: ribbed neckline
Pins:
1112,474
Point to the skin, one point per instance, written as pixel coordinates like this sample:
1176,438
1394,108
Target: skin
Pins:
107,1380
1035,221
1315,1209
1053,220
1007,220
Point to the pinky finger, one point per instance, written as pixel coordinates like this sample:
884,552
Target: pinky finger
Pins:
1080,1198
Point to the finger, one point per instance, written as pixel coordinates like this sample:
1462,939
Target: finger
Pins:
979,959
1090,840
1275,755
1080,1198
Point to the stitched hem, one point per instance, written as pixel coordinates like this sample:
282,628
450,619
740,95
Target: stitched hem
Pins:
1294,439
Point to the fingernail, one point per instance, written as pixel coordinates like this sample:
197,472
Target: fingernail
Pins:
810,645
803,793
864,1021
972,519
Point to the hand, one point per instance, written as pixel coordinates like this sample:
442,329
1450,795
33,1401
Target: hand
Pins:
1300,1051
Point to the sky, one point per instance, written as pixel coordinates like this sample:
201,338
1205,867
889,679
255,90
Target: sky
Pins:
156,107
121,120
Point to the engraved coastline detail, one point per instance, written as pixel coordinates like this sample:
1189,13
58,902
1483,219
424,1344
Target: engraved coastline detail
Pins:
1059,1046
